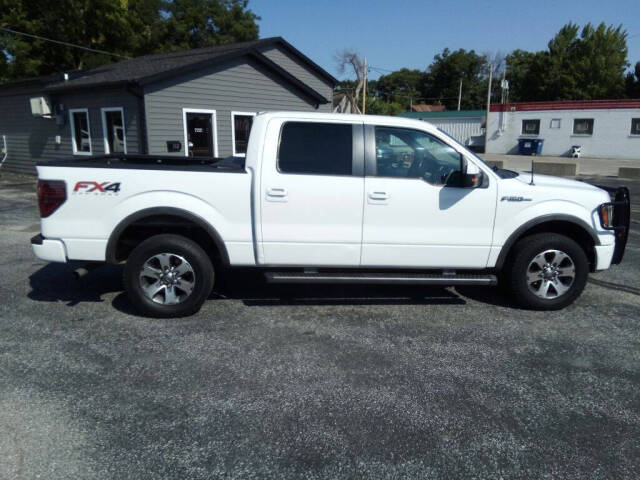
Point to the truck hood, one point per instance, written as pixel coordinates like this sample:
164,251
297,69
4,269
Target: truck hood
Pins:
555,182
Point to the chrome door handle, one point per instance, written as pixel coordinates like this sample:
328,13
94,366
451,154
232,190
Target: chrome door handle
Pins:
277,192
378,195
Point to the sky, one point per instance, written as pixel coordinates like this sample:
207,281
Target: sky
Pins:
408,33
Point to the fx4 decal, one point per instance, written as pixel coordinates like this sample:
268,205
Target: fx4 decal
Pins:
104,188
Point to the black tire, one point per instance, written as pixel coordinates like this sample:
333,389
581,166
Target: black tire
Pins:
176,251
528,254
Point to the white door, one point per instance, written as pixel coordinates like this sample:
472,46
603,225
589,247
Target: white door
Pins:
413,215
312,190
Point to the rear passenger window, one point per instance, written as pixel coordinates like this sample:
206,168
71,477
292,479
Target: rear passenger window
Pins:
316,148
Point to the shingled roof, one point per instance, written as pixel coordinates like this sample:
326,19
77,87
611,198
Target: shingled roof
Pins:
150,68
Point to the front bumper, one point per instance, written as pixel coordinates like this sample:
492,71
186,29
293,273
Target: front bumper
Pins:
48,250
621,219
604,255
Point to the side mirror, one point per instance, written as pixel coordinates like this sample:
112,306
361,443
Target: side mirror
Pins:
471,175
471,180
468,176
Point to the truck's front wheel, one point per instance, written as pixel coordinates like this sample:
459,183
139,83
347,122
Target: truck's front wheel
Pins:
548,272
168,276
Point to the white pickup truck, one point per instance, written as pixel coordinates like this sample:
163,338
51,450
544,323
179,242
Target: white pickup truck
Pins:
329,198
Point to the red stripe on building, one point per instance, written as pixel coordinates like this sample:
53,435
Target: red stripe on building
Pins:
566,105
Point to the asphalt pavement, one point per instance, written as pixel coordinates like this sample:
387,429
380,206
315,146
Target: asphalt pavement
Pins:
308,382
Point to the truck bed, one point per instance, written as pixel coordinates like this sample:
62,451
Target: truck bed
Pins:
153,162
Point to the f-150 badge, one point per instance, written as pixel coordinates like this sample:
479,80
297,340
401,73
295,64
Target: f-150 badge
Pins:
515,199
96,188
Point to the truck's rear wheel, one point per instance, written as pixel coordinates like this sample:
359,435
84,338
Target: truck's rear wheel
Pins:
548,272
168,276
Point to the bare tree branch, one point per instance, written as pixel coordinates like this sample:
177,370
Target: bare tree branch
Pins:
349,61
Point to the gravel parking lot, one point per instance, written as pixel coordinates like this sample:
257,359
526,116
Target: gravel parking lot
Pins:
302,382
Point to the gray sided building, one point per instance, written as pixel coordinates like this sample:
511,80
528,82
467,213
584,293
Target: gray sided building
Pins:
198,102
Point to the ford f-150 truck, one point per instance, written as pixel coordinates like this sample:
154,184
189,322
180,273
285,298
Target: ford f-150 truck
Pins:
329,198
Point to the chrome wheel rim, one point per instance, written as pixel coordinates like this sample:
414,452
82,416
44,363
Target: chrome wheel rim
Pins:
551,274
167,279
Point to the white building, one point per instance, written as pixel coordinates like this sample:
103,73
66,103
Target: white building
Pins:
466,126
603,128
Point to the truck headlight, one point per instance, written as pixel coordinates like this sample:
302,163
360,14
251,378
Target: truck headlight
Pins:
606,215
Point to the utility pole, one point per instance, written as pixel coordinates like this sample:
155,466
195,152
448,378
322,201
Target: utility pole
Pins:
459,94
486,123
364,87
489,89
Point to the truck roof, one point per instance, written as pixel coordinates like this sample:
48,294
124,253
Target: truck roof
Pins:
346,117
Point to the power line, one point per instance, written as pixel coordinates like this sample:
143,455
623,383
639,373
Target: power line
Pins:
381,69
399,95
63,43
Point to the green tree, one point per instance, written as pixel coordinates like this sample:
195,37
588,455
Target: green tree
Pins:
526,74
4,67
99,24
122,27
443,76
633,82
377,106
205,23
587,64
402,86
601,59
147,19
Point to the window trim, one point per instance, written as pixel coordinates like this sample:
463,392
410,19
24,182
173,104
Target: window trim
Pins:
593,127
522,132
103,112
214,130
559,120
233,131
357,150
634,134
74,147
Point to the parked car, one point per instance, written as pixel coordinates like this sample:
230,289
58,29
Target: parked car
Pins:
329,198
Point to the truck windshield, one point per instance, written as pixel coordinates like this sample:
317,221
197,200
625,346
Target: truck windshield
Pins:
468,151
501,172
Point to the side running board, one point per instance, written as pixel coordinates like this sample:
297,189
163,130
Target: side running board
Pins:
381,278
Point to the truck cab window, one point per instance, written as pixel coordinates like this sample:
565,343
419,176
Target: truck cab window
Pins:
316,148
406,153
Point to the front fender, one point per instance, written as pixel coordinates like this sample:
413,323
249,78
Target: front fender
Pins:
511,225
509,219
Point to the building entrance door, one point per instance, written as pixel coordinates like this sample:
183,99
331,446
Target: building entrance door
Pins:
199,130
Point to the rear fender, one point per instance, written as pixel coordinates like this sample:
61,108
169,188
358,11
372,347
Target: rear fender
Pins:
148,204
